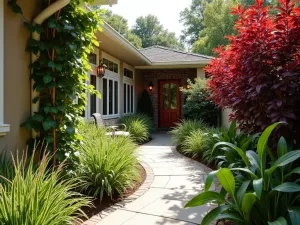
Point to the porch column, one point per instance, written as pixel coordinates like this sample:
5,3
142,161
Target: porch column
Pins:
200,73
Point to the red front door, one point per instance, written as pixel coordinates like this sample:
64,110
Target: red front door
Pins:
169,103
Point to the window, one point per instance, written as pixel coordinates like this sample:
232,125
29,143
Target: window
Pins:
128,98
110,97
4,128
128,73
93,98
128,91
92,57
111,66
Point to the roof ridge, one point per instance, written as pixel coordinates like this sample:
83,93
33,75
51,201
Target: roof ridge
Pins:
184,52
178,51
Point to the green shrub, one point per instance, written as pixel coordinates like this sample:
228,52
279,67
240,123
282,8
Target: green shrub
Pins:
145,105
107,165
184,129
38,196
140,127
264,192
197,106
198,142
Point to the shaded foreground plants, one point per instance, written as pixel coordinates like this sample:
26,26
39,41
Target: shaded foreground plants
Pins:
261,193
37,195
140,127
107,165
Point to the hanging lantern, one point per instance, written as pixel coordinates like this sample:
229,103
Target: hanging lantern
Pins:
101,69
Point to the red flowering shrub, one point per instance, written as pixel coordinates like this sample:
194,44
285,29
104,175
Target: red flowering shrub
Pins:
258,74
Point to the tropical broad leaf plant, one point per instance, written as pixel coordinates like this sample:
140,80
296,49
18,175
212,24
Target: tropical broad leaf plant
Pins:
224,155
264,192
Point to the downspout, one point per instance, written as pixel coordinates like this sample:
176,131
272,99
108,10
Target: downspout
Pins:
45,14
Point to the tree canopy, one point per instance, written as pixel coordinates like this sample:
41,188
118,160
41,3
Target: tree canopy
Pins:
192,19
208,22
151,32
218,23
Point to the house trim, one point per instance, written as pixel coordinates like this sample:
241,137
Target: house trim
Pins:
4,128
119,38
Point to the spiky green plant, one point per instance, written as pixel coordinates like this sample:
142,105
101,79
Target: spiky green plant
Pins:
107,165
6,168
198,142
38,196
140,127
184,129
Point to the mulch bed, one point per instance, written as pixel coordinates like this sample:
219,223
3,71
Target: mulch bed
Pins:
108,202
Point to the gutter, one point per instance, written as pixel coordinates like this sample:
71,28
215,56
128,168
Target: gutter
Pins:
175,64
114,34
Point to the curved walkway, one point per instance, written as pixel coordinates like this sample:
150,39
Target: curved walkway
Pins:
176,179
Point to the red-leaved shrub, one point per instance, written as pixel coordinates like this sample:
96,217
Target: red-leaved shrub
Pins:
258,74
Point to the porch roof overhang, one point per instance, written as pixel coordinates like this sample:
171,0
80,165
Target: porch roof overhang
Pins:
115,44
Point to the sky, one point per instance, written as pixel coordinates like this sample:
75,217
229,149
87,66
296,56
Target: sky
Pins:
167,11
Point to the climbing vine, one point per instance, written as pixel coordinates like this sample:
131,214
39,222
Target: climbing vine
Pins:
60,74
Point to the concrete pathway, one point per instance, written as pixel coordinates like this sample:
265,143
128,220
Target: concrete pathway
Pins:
177,179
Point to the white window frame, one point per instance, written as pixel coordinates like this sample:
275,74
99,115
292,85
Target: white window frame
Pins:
130,82
109,75
4,128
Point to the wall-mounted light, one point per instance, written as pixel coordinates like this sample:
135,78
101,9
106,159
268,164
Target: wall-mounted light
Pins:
101,69
150,86
188,86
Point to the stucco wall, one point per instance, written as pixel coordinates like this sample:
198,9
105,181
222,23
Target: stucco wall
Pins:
16,75
225,118
156,75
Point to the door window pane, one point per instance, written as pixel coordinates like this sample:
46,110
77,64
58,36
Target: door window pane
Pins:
104,96
166,96
173,96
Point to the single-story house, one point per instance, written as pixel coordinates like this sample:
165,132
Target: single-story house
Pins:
129,72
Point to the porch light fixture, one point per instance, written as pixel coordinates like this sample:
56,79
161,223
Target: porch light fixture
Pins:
101,69
150,86
188,86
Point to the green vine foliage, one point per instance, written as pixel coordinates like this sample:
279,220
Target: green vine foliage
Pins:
60,75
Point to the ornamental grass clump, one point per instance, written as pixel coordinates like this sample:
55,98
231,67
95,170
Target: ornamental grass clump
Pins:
184,129
140,127
107,165
198,142
37,195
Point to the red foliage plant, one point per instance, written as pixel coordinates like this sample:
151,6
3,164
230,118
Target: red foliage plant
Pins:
258,74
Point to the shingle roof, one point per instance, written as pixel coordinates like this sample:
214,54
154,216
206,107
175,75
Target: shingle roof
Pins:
159,54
